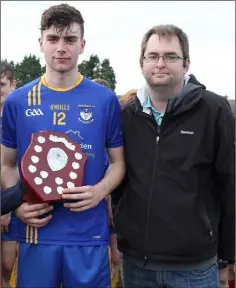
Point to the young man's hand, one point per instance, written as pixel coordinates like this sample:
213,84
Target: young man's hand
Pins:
30,213
4,221
85,197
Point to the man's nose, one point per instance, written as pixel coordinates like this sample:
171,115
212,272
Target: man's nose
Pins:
160,62
61,47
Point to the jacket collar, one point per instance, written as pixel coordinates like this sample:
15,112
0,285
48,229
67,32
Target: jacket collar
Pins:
188,97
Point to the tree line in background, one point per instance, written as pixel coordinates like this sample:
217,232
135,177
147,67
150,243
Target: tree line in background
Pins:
30,68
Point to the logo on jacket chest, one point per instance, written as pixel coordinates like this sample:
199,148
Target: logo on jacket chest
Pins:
86,113
187,132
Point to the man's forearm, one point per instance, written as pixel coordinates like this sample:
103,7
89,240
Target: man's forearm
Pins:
113,177
9,176
12,198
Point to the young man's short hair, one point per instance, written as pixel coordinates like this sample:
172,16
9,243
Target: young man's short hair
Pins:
61,16
6,69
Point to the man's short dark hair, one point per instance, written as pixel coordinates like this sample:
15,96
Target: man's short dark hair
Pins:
169,31
61,16
6,69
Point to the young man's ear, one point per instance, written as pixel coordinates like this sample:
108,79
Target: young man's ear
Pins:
83,42
13,85
40,44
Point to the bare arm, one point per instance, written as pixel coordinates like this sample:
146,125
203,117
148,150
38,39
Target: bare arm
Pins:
115,172
9,174
89,196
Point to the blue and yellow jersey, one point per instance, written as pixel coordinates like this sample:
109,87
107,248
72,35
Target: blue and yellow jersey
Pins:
90,114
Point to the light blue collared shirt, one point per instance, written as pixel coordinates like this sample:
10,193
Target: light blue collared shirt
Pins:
157,115
147,104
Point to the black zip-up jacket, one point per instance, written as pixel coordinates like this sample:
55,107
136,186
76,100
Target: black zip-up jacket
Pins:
177,202
12,197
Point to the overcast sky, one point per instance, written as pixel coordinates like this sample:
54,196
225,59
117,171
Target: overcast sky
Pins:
114,30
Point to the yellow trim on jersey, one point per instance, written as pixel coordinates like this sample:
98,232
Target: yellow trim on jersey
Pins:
34,95
13,279
27,234
35,235
112,277
77,82
29,98
39,93
31,235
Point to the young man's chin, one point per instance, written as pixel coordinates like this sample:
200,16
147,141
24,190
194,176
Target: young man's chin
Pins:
62,69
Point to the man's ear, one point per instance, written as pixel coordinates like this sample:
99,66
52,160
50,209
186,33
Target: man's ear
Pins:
13,85
83,43
187,64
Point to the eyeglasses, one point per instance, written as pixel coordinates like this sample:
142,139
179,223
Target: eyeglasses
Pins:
154,58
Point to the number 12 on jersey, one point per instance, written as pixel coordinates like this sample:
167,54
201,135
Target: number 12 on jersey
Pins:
58,118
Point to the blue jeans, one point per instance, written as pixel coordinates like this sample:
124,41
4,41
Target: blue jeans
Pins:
135,276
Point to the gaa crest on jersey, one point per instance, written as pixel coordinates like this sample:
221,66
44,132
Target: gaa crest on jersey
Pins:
86,113
52,162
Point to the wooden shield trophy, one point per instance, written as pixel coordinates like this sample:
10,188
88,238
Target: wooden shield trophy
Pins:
52,161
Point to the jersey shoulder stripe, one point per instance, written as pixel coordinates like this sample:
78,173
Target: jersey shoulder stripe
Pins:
31,90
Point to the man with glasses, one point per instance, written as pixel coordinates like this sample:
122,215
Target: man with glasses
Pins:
174,212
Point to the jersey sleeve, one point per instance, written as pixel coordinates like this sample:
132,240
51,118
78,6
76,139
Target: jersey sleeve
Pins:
8,137
114,137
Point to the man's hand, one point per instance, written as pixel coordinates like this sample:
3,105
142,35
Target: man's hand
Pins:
29,213
116,261
86,197
5,220
223,277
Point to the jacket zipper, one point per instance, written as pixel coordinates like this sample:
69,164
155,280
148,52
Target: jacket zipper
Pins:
153,176
207,222
150,194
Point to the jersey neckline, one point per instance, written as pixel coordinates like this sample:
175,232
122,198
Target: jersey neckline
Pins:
77,82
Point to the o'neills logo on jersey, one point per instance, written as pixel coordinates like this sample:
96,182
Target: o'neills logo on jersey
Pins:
86,113
33,112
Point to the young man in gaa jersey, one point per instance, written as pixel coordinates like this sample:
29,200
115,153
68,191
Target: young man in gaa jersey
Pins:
8,221
65,243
